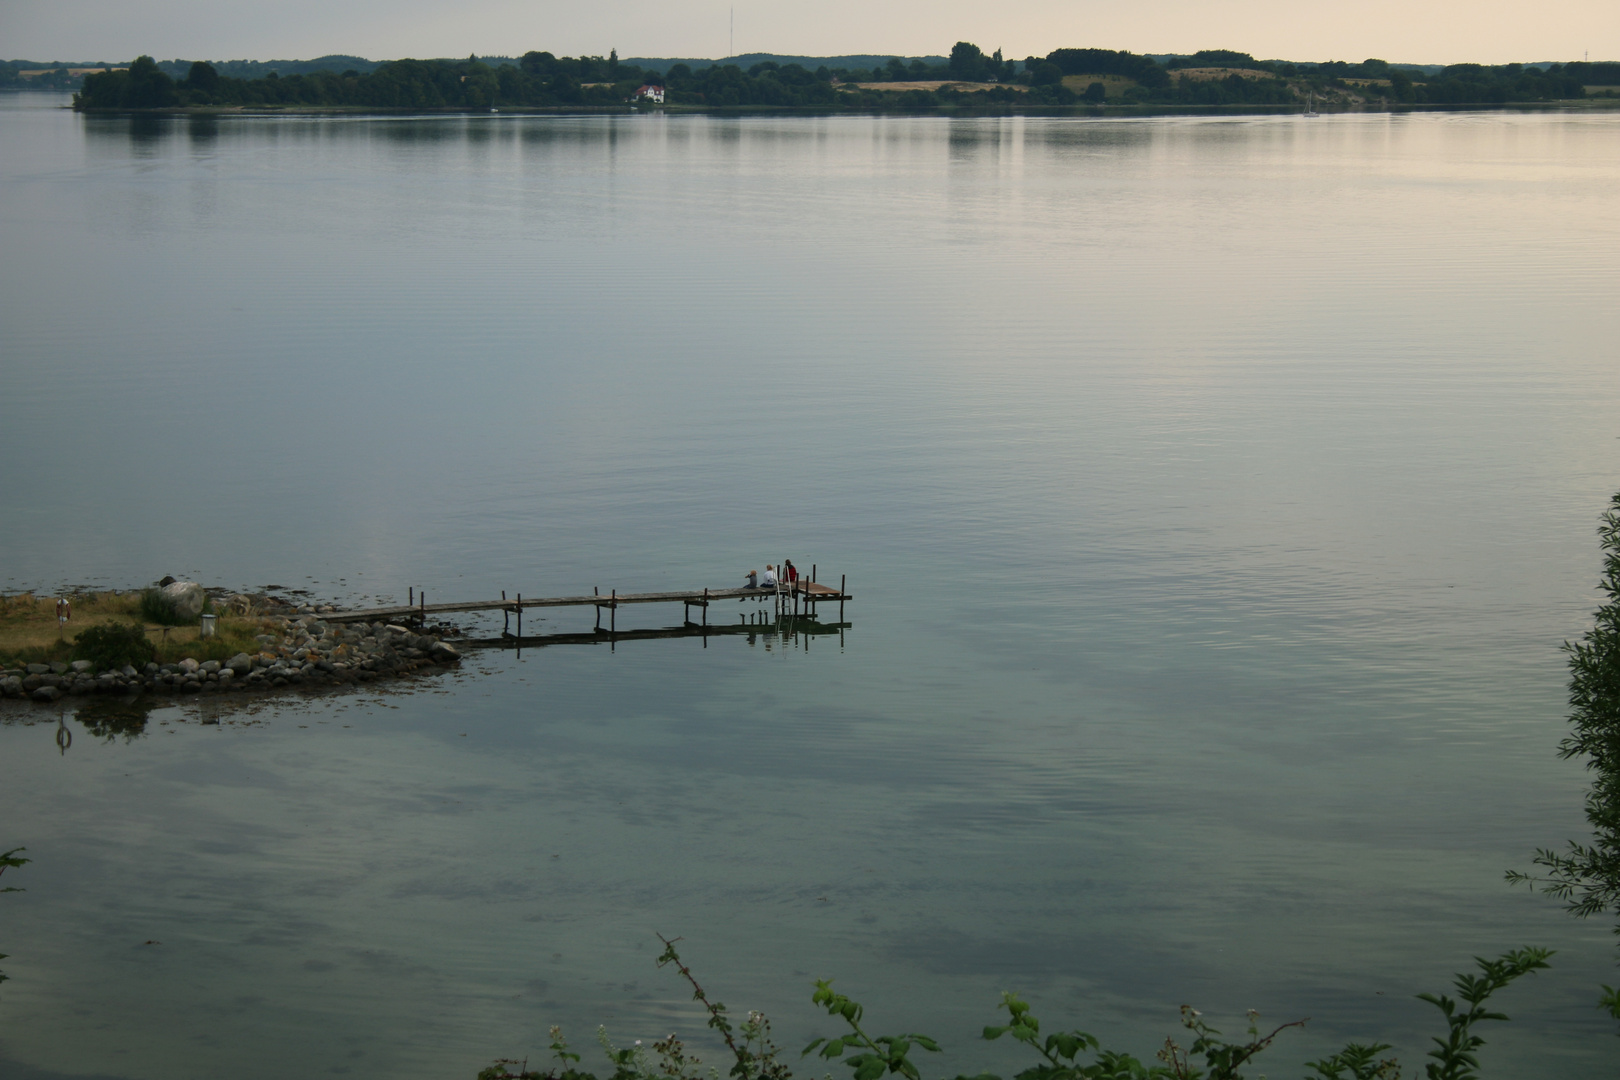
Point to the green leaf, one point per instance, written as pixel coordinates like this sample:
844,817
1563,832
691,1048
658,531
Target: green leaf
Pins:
833,1049
868,1066
812,1046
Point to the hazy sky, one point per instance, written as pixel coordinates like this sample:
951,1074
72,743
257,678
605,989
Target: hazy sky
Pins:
1414,31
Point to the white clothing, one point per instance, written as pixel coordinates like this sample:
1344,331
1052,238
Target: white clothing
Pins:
770,578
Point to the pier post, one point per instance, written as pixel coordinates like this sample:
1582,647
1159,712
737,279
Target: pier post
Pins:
843,580
422,596
705,614
597,592
613,613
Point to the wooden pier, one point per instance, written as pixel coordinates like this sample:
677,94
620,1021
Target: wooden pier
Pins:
788,600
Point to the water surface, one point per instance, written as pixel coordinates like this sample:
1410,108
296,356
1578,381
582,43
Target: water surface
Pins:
1216,495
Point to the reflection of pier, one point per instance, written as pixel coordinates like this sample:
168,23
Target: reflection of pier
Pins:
786,629
788,601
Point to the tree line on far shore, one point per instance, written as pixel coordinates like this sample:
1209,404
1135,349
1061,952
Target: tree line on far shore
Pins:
539,80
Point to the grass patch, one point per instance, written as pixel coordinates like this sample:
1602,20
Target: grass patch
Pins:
157,608
1210,74
29,633
1114,85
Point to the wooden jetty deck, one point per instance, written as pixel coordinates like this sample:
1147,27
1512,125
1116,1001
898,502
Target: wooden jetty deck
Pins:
786,598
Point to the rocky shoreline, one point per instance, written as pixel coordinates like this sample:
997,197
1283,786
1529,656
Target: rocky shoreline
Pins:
309,652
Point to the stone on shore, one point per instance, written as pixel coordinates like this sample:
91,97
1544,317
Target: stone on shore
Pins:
187,598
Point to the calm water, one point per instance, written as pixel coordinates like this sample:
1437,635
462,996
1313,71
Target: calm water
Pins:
1216,494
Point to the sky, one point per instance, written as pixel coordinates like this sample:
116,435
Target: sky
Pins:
1403,31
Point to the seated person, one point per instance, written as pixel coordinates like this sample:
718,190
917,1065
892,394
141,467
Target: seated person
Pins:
753,580
770,577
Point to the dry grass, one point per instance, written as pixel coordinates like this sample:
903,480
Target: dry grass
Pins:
935,84
1212,73
29,633
1115,85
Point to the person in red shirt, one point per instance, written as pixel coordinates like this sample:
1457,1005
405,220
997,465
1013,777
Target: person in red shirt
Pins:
790,572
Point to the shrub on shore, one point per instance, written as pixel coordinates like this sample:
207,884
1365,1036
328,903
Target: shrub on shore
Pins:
114,645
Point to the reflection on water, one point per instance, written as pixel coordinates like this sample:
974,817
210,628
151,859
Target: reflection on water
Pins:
760,628
1217,493
112,718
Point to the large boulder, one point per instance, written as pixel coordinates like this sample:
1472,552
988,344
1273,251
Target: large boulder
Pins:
187,598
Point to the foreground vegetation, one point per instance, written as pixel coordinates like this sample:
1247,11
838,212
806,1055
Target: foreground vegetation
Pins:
30,634
1586,876
969,77
1058,1055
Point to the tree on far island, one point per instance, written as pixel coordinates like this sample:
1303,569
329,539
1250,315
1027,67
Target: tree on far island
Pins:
203,77
967,62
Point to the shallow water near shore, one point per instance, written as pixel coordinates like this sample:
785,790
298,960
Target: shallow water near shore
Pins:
1215,495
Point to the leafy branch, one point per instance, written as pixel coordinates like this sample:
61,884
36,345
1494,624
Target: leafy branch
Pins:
1454,1055
756,1055
1223,1058
884,1054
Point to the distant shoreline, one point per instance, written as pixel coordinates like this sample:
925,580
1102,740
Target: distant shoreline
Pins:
1095,111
